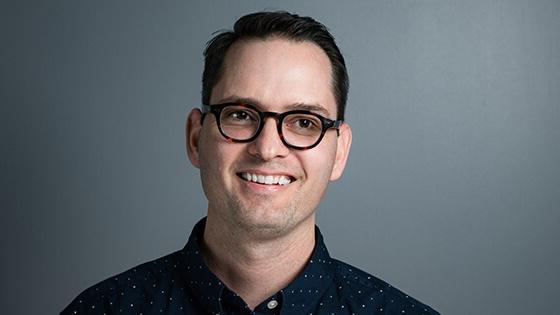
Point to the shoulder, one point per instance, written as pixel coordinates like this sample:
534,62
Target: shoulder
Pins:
127,289
370,293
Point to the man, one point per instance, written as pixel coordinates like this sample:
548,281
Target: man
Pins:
268,139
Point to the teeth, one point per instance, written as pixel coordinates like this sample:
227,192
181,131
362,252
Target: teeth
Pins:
283,181
267,180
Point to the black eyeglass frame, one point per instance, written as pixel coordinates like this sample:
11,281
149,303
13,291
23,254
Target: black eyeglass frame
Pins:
279,117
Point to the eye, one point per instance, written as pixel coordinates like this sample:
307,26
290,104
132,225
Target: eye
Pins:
239,115
304,123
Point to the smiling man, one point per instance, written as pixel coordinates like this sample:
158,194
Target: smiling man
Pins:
269,138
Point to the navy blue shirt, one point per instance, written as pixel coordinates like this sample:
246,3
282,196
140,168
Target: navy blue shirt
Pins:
181,283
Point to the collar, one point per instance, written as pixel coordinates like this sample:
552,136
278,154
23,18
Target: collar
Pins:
207,288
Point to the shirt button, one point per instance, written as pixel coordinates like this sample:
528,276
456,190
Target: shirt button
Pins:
272,304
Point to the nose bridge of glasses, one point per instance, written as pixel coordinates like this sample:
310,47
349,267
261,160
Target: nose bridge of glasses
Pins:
276,116
276,119
268,142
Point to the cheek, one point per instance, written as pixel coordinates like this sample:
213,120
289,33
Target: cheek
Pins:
217,154
210,152
318,162
212,160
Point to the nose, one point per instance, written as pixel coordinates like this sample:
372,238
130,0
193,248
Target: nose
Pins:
268,145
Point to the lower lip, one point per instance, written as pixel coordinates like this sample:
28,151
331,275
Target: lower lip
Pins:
264,188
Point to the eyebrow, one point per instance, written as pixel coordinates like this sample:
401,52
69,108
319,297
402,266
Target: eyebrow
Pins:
296,106
309,107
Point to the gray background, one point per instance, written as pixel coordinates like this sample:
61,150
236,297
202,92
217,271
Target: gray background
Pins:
452,191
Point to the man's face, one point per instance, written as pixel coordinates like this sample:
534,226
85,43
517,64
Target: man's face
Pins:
274,75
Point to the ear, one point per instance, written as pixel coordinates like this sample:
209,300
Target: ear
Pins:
343,148
192,132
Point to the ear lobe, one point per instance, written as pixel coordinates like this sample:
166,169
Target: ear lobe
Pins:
192,132
342,150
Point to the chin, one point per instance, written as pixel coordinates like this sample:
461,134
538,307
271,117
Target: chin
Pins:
265,221
271,223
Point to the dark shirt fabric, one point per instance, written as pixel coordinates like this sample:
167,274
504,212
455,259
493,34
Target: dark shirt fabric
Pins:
181,283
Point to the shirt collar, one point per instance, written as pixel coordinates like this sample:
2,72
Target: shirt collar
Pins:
207,288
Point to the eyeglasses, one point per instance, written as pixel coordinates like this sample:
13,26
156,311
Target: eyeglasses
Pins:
298,129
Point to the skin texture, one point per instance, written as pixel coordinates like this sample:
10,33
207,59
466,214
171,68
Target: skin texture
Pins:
256,230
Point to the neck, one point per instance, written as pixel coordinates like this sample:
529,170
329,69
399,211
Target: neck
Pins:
242,260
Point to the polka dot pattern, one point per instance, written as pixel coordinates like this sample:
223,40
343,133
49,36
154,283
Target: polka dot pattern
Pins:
181,283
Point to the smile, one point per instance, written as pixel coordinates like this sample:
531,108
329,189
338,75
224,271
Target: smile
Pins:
266,179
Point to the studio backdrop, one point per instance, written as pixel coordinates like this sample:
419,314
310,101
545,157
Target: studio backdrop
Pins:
452,188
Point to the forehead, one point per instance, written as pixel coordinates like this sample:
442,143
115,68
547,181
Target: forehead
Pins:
276,73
